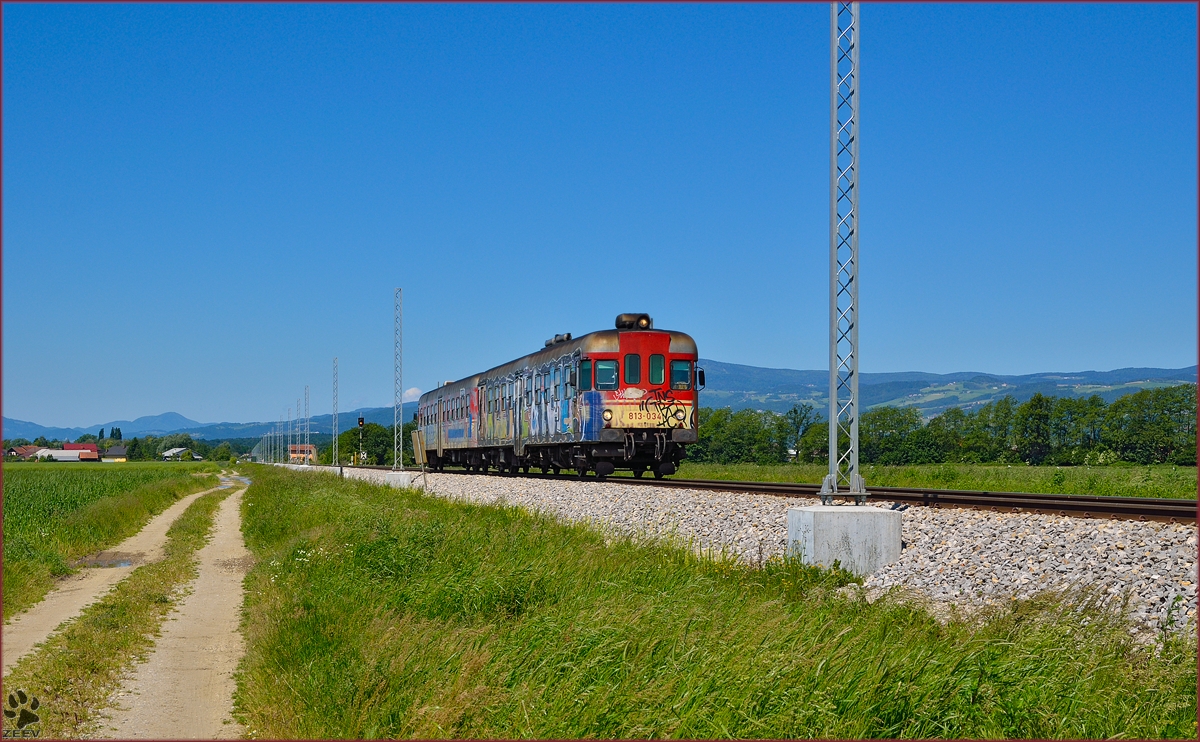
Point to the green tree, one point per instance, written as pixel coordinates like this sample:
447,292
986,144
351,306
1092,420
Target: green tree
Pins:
1153,426
798,420
883,433
745,436
948,431
1032,429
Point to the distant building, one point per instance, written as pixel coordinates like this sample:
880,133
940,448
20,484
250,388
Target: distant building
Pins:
302,454
116,454
82,447
22,452
62,454
178,454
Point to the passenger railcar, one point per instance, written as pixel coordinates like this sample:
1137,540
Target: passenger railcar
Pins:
615,399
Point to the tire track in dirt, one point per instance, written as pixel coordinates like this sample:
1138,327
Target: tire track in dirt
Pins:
185,689
66,601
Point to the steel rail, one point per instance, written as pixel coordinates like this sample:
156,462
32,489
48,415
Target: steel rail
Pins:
1079,506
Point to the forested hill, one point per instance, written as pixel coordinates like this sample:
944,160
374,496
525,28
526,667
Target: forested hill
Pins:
778,389
736,386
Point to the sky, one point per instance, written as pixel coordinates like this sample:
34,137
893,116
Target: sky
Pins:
203,205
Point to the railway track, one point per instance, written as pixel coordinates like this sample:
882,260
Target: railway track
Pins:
1080,506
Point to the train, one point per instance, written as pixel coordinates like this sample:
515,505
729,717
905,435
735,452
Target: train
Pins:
625,398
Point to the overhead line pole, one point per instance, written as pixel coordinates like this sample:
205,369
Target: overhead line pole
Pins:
397,378
843,255
334,459
307,427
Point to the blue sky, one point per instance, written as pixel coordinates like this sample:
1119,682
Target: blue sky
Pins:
204,204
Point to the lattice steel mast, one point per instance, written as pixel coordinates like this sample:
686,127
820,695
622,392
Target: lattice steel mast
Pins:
397,379
843,255
307,427
335,420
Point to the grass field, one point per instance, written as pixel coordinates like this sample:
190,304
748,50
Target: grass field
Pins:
57,513
377,613
74,675
1121,481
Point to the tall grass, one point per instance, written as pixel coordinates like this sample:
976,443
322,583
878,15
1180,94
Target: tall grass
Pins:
1162,480
377,613
56,513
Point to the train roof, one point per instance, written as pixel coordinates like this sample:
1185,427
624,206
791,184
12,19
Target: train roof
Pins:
601,341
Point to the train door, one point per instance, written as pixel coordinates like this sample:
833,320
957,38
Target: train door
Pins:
557,404
440,427
573,397
539,406
516,414
522,410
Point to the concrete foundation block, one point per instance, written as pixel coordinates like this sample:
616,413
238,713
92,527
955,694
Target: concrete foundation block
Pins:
862,538
404,479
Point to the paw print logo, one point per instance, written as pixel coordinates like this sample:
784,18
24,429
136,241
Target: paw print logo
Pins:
21,707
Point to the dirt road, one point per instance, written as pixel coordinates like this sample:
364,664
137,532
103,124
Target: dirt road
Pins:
185,689
80,590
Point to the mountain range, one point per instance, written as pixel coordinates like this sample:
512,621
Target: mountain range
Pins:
728,385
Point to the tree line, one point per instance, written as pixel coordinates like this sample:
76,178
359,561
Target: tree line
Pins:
378,445
150,448
1152,426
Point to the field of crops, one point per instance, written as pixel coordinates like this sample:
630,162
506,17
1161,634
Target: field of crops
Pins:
54,513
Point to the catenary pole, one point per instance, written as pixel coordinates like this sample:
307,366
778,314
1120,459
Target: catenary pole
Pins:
397,379
843,255
335,405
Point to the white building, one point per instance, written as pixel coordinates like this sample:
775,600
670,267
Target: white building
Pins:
58,454
183,454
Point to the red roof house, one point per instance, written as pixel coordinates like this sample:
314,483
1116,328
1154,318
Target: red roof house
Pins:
81,447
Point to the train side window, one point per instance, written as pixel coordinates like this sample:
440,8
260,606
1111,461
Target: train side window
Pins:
555,386
585,376
681,374
657,369
633,369
606,375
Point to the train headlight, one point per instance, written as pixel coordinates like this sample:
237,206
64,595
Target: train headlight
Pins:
607,415
680,414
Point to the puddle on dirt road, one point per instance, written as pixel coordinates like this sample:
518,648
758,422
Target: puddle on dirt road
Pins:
111,559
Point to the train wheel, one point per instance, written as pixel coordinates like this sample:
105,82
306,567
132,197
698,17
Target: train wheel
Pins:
658,474
555,469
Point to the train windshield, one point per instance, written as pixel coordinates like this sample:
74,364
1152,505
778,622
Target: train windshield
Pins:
606,375
681,374
656,369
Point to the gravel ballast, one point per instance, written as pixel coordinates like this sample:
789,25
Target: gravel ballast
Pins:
954,557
